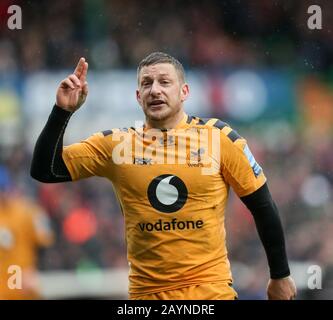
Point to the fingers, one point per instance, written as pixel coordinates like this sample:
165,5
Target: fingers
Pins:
71,81
67,83
75,80
84,72
81,70
85,89
79,67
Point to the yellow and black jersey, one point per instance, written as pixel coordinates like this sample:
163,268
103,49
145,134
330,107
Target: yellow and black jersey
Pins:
173,187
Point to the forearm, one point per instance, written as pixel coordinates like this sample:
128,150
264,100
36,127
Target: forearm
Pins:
47,163
270,231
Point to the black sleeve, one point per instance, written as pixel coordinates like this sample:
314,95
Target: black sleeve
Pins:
47,163
269,227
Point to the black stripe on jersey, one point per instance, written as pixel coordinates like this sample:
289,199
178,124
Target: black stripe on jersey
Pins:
189,119
203,121
233,135
220,124
107,132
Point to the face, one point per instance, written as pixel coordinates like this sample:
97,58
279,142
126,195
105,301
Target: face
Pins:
161,93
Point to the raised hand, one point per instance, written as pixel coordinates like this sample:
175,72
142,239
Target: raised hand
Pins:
73,90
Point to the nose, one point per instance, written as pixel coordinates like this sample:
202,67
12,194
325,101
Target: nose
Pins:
155,89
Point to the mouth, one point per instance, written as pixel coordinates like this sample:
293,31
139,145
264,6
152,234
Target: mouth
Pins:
156,104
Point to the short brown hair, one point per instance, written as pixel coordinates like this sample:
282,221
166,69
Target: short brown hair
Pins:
161,57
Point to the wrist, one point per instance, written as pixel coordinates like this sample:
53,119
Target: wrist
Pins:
59,114
280,276
63,108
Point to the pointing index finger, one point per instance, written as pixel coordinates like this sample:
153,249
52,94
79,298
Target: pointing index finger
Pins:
79,68
84,72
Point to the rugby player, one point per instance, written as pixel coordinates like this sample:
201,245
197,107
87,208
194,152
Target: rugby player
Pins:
172,179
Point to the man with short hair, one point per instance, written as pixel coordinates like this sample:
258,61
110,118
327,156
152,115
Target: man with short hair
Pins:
172,178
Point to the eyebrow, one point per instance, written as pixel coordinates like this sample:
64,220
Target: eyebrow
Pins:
161,75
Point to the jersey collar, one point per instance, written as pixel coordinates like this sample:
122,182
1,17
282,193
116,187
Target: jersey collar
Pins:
182,124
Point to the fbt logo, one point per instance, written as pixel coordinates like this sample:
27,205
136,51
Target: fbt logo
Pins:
14,17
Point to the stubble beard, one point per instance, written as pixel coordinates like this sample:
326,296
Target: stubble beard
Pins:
160,115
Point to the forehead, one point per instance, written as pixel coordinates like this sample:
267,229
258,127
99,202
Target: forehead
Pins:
159,69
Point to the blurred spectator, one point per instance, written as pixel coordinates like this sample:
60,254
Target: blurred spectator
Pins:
24,228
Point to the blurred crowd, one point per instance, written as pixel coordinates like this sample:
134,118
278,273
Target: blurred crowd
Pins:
297,159
117,34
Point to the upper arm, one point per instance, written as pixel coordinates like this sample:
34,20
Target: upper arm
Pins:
238,165
86,158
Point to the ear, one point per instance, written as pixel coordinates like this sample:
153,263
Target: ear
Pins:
185,91
138,97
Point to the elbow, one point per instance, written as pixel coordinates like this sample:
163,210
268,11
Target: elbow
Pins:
45,176
38,174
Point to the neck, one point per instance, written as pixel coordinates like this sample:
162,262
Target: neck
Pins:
169,123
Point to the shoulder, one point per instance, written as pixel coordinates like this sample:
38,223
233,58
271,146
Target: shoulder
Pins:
116,131
227,132
109,135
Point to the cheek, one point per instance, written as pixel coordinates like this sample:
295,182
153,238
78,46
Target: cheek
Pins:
174,94
143,97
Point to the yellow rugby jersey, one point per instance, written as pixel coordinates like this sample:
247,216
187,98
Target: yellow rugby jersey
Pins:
24,228
173,187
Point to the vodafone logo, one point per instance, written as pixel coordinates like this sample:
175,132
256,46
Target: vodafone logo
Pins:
167,193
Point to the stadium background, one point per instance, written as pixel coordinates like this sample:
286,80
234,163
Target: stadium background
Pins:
254,64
